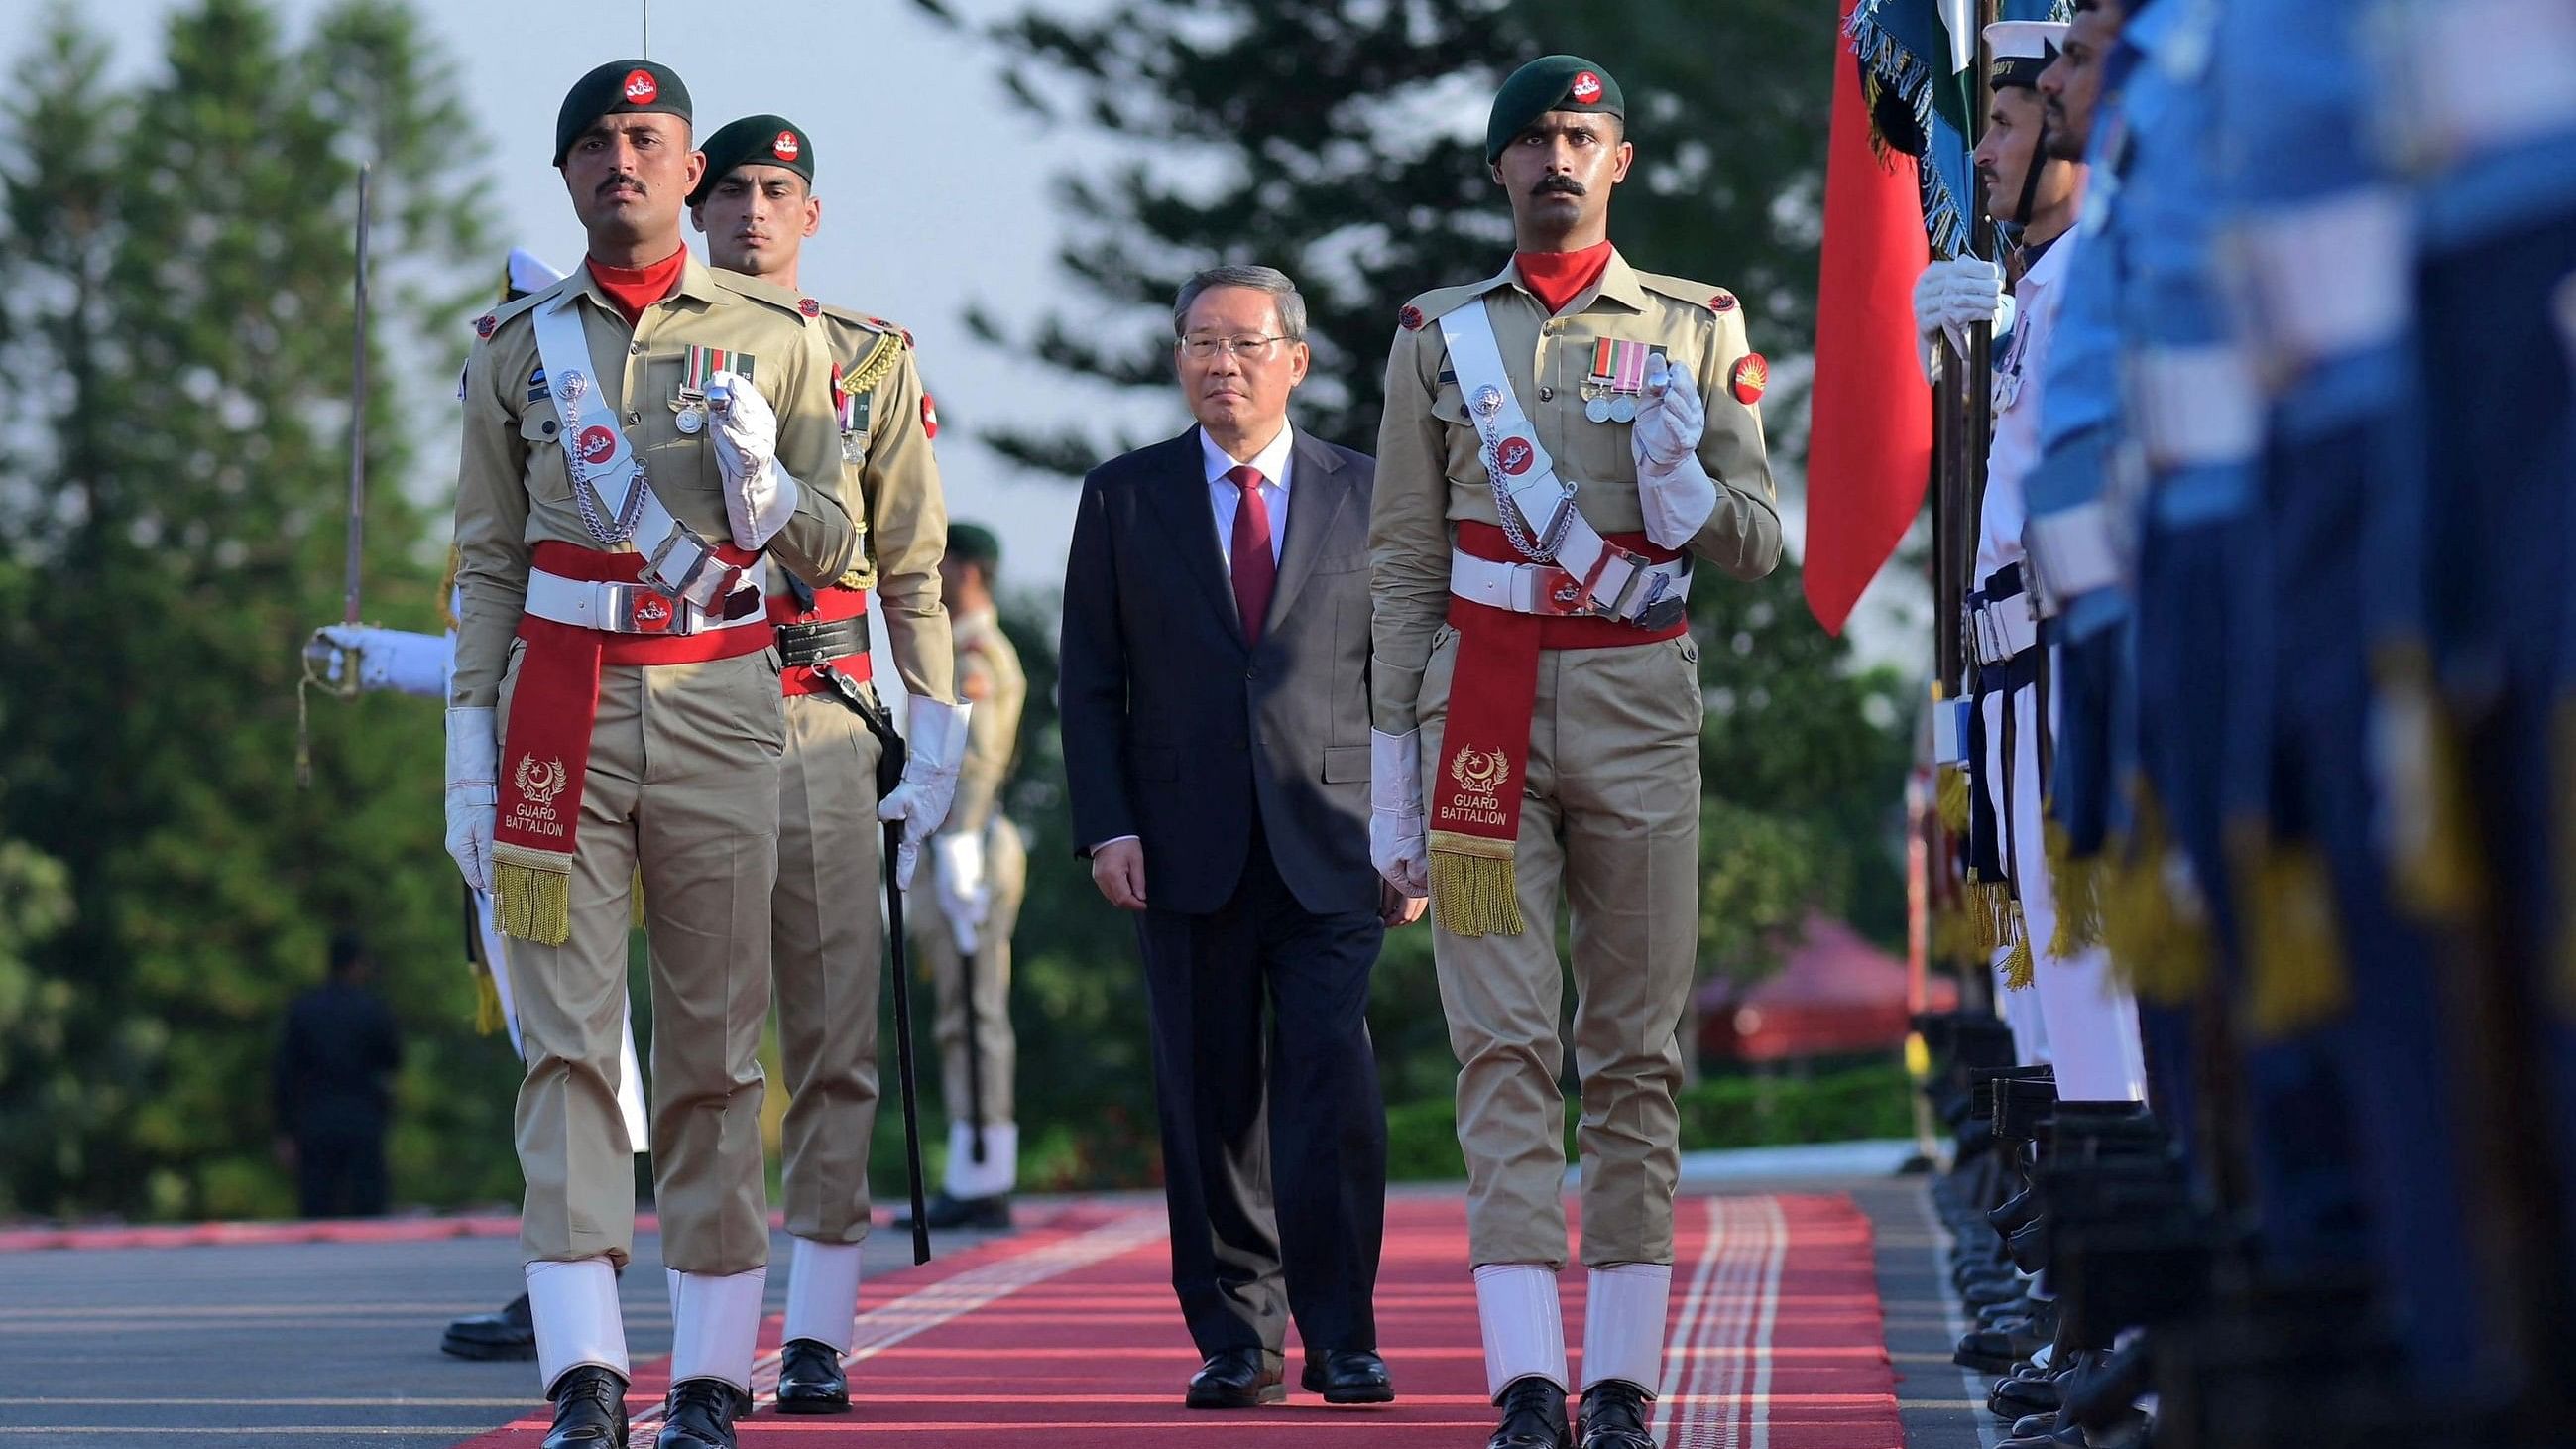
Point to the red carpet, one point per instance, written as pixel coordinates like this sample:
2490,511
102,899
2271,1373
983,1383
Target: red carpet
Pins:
1067,1338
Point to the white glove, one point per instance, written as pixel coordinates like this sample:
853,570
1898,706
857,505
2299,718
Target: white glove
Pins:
1950,296
759,496
386,658
1396,840
934,737
473,792
965,897
1674,492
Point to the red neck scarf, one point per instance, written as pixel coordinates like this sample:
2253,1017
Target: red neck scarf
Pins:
1560,277
635,288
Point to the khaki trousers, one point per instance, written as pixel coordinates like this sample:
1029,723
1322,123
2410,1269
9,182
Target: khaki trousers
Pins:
1609,821
683,787
1006,869
827,931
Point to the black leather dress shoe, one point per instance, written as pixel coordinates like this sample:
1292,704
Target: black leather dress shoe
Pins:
1237,1378
510,1333
810,1380
1348,1376
590,1410
700,1414
1614,1416
1533,1410
970,1214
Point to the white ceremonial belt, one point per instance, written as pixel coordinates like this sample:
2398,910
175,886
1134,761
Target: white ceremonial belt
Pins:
1651,595
2329,277
2194,406
2484,74
2004,628
2073,552
615,608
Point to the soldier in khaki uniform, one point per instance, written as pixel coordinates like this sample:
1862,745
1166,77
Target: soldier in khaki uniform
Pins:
980,871
645,442
756,205
1562,442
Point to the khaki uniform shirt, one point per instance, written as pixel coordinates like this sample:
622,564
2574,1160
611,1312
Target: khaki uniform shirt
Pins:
989,678
514,491
885,436
1430,471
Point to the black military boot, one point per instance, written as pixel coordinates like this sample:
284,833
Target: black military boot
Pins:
1614,1416
590,1409
1533,1416
700,1414
510,1333
810,1380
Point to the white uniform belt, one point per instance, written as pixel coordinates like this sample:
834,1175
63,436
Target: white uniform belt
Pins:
2073,552
2329,277
2004,628
2484,74
1651,595
2194,406
614,608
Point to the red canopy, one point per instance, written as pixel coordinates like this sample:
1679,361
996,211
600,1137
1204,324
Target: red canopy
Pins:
1835,994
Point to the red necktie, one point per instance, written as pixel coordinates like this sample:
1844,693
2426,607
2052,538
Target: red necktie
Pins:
1254,569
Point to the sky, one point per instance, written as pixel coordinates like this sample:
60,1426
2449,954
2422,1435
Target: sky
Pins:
937,194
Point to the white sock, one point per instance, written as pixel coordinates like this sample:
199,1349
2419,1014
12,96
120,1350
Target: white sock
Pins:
997,1174
822,1293
1524,1327
578,1322
1623,1324
717,1322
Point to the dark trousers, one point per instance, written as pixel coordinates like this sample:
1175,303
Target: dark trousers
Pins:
340,1170
1274,1136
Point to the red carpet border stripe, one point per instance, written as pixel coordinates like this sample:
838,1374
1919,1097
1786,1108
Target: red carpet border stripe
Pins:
1068,1338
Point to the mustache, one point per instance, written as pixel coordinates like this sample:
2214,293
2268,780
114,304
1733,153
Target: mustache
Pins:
614,182
1558,186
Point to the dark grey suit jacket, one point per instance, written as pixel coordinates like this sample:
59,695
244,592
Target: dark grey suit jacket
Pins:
1176,728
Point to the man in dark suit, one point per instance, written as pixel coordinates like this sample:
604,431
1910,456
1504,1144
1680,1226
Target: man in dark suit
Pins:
1215,716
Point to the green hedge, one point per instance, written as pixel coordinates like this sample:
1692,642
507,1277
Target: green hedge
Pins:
1843,1106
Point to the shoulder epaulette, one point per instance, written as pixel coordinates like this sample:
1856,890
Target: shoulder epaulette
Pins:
490,322
875,366
794,303
1717,300
1431,306
877,325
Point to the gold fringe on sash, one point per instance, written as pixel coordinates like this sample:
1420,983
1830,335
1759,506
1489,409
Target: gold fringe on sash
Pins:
2432,843
2156,931
1473,890
487,1001
2296,977
1950,797
2077,885
1954,935
532,895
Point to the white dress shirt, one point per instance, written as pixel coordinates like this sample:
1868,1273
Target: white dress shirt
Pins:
1276,463
2015,449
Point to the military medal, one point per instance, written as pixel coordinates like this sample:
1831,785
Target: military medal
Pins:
1618,376
692,414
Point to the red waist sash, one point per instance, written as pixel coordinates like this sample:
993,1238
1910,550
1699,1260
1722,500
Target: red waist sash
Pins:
1484,746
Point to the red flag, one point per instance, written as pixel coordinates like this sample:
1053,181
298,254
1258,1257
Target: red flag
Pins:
1869,450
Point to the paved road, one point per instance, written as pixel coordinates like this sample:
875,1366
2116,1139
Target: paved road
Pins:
324,1344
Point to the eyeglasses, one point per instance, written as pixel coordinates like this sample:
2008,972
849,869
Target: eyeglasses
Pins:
1202,349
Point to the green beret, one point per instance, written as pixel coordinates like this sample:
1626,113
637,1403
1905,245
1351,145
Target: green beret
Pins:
621,87
755,140
975,544
1549,83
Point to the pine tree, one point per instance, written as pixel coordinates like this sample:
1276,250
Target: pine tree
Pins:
186,524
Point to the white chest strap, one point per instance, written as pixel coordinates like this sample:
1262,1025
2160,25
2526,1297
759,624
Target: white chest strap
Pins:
609,483
1536,508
